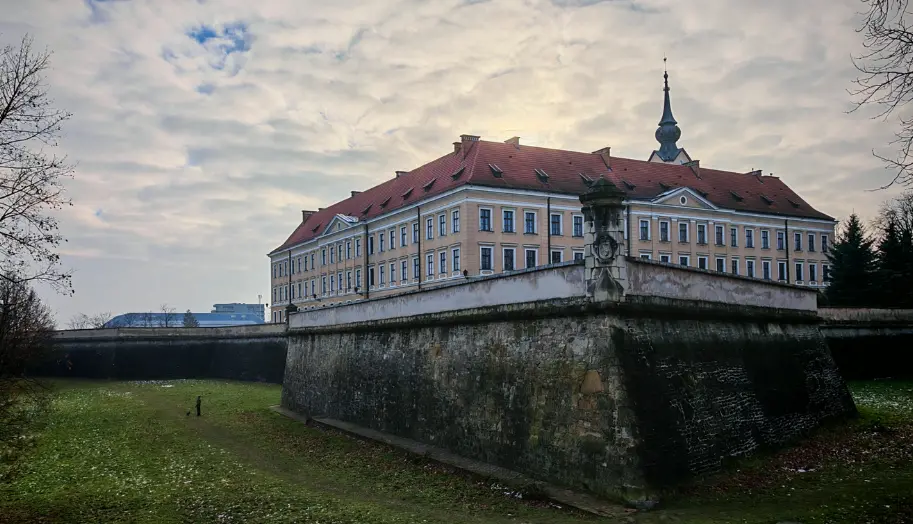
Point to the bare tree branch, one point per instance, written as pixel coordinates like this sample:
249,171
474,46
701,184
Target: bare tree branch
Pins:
885,78
30,179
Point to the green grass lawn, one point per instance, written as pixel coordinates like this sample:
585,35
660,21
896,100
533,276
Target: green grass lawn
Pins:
127,452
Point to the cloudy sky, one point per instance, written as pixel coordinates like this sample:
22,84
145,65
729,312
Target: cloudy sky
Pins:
202,128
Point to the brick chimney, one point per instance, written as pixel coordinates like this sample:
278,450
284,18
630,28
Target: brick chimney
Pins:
693,165
466,142
604,154
305,215
457,147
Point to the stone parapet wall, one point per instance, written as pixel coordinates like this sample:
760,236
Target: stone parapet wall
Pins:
558,281
657,279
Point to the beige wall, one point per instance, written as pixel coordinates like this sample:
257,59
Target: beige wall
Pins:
470,240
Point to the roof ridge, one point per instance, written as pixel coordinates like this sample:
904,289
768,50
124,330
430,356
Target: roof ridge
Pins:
476,149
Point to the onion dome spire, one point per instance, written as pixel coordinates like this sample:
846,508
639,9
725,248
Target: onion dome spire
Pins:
668,132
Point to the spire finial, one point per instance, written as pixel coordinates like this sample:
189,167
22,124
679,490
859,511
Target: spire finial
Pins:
668,132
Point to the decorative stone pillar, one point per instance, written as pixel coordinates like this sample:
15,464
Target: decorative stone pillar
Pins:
603,240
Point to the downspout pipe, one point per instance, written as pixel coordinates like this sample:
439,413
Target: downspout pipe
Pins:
549,229
787,248
365,286
419,244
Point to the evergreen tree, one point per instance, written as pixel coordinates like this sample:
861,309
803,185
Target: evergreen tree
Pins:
190,320
894,254
853,267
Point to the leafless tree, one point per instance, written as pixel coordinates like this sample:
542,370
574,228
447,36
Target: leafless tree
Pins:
84,321
147,320
26,328
898,211
30,179
169,319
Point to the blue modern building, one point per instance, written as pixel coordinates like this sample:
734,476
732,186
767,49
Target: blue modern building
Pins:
222,315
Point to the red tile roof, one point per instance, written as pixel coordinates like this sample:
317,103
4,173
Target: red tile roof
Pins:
476,162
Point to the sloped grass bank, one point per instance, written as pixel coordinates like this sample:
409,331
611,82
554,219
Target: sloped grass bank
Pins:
129,452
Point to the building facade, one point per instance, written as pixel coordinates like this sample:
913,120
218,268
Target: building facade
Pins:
492,207
222,315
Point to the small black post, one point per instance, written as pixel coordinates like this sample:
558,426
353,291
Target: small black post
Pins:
198,405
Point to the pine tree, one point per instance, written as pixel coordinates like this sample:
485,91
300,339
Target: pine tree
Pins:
894,280
190,320
853,267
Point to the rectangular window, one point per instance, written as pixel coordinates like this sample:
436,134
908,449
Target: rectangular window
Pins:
507,259
339,279
323,285
734,266
403,274
702,231
766,243
455,221
578,256
750,268
665,258
782,271
429,229
702,262
766,270
312,288
555,224
339,252
825,243
348,280
381,275
721,264
780,240
811,241
442,225
274,271
645,256
798,270
442,262
332,252
299,265
380,242
556,256
529,258
683,232
402,236
299,290
415,232
348,250
683,260
358,278
324,257
393,238
416,268
719,235
455,259
812,272
358,247
578,226
332,284
733,237
664,231
312,260
750,237
485,259
644,230
485,220
507,219
393,274
371,245
797,242
274,295
826,273
430,266
371,276
529,222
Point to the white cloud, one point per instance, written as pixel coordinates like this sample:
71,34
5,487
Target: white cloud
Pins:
193,163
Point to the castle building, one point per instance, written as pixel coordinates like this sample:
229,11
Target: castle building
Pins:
493,207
